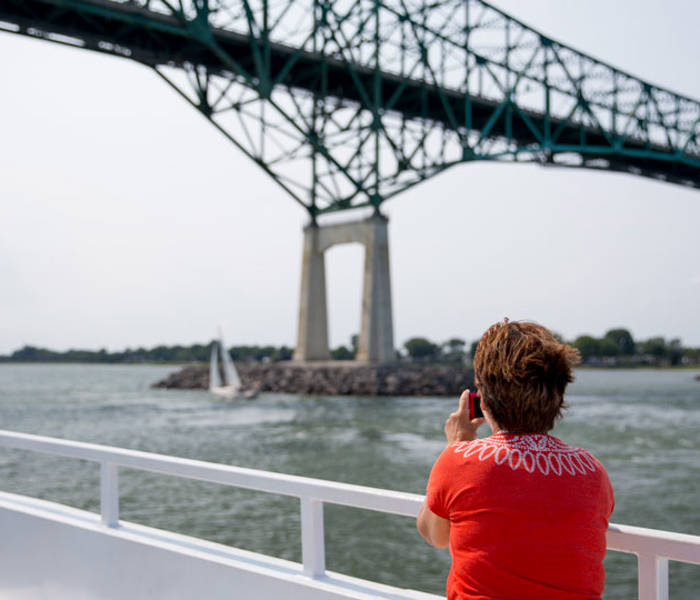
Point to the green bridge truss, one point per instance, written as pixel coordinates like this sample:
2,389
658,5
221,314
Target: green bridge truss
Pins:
346,103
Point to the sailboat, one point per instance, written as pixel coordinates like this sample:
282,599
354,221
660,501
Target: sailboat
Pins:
230,387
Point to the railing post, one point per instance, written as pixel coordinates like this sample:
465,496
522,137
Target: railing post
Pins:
652,577
313,550
109,494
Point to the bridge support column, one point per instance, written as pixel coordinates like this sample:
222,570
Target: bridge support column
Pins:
376,339
312,337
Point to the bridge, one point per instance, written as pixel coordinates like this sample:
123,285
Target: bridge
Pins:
347,103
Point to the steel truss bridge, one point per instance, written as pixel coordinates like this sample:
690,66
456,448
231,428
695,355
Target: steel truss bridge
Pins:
346,103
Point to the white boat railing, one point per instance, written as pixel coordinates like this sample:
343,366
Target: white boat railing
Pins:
654,548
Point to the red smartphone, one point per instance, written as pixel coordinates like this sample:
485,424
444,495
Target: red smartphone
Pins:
475,406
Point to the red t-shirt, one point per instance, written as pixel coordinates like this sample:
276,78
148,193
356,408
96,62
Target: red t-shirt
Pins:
528,516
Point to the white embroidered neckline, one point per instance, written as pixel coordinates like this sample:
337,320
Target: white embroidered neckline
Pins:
547,454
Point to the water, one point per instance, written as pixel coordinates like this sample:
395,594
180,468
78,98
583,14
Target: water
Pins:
643,425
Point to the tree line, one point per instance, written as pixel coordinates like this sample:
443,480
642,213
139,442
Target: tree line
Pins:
158,354
616,347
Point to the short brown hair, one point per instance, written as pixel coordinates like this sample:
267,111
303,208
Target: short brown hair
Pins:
522,370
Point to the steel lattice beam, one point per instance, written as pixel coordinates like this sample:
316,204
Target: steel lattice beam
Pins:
346,103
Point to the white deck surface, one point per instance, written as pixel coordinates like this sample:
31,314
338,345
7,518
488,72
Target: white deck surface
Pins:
54,552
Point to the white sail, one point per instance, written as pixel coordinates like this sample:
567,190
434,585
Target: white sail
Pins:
214,379
230,373
230,388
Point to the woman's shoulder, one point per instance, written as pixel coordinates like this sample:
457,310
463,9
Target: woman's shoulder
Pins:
529,452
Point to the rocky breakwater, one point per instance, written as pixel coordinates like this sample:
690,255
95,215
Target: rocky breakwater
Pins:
335,379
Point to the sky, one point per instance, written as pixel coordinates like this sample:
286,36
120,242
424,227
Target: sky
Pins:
127,220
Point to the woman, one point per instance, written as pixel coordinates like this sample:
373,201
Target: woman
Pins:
524,514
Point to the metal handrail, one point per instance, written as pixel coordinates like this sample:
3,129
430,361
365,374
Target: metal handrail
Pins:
654,548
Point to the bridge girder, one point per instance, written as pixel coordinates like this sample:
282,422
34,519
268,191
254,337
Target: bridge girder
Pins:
346,103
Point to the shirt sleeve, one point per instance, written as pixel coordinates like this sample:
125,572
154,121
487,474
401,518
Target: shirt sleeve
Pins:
439,491
611,494
607,492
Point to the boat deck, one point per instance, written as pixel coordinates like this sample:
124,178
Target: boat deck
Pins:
54,551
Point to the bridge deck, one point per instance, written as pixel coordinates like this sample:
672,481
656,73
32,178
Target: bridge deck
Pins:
157,39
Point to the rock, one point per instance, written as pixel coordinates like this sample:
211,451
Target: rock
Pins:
341,379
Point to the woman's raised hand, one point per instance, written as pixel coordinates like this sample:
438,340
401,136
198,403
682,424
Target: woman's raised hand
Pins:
458,427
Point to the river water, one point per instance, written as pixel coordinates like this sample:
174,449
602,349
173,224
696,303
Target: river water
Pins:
643,425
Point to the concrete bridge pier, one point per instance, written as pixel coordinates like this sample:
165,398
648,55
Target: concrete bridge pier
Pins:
312,338
376,339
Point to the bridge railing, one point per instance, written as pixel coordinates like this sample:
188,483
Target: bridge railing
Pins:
654,548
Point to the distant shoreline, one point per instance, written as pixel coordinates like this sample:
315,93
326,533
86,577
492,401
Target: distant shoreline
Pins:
616,349
90,363
407,364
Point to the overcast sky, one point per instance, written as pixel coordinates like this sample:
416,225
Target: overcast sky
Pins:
127,220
